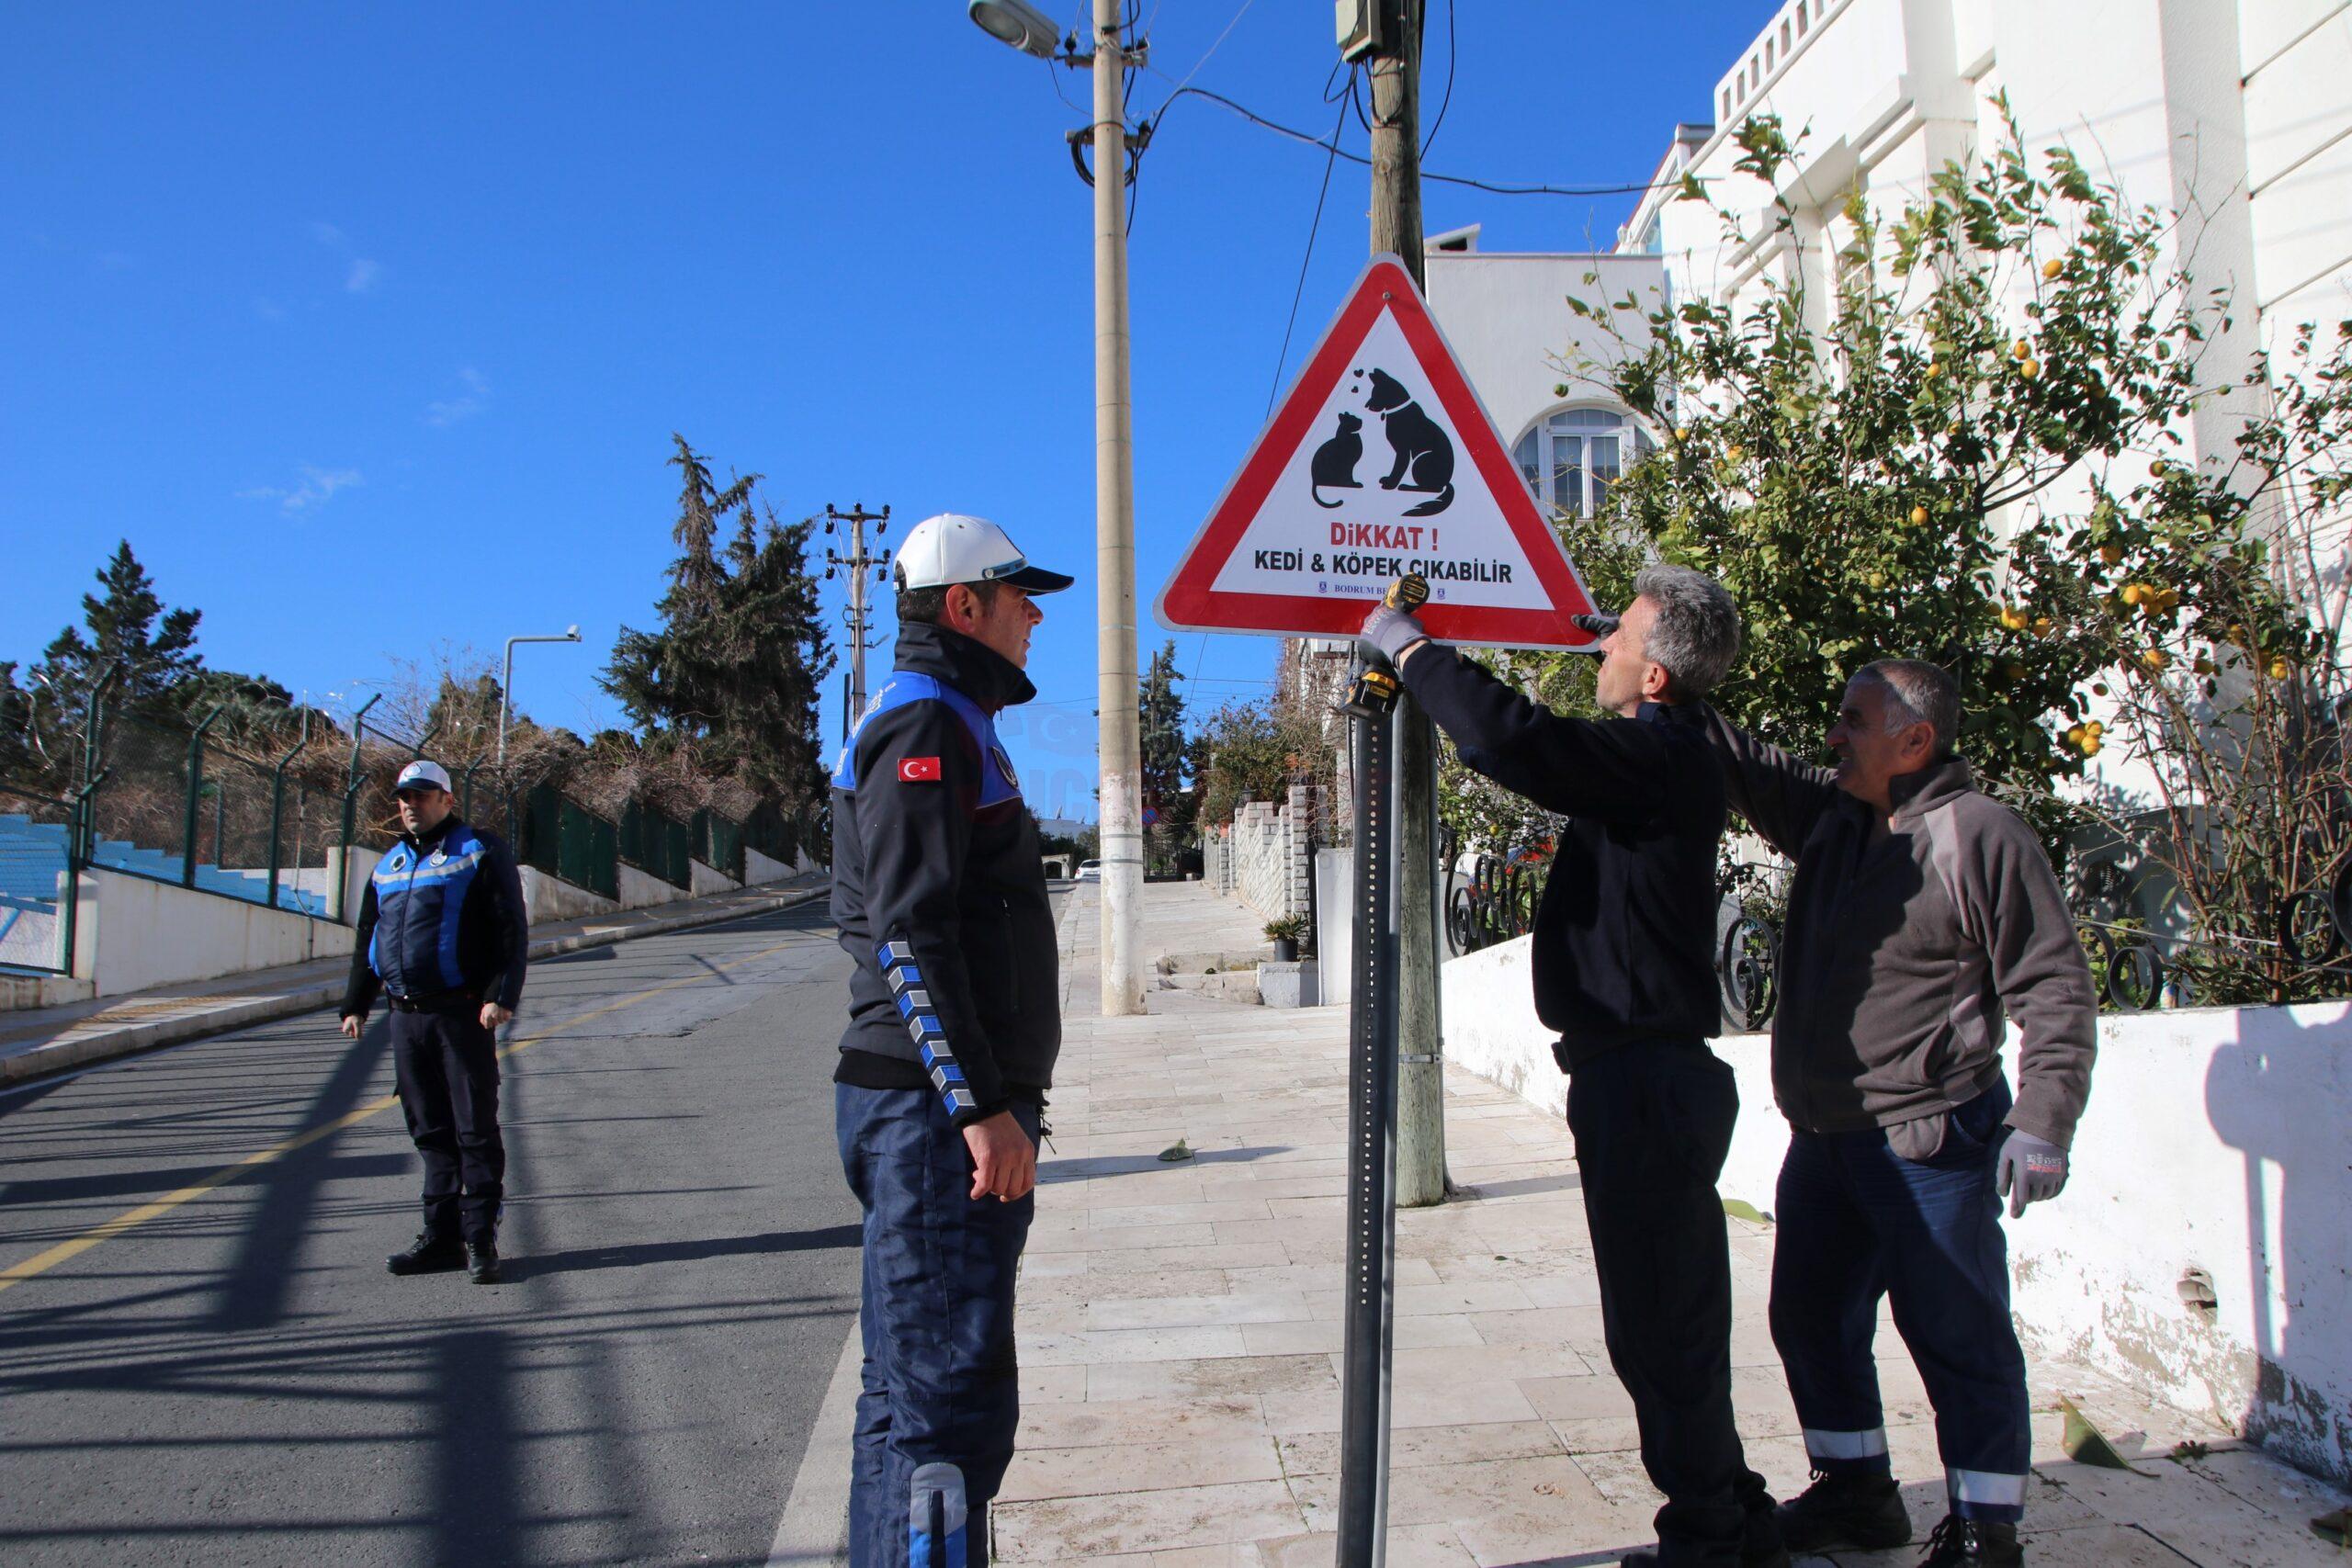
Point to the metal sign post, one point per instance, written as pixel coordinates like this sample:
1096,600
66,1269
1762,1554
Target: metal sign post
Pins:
1371,1141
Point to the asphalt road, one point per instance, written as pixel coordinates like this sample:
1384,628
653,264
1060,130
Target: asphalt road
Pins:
235,1378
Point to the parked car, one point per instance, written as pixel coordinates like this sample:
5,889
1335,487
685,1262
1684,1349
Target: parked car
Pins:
1090,871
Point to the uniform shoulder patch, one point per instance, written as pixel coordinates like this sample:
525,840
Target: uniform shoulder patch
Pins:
918,769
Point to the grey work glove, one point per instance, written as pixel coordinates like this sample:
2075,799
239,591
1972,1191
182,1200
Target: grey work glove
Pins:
1389,632
2030,1169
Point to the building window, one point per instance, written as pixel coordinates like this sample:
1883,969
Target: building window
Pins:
1572,457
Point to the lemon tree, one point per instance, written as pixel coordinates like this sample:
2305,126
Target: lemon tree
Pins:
1935,444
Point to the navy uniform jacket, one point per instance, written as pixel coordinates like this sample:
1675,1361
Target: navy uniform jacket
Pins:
443,912
1623,946
939,887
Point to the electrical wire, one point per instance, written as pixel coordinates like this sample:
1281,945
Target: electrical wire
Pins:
1313,228
1203,60
1332,146
1447,101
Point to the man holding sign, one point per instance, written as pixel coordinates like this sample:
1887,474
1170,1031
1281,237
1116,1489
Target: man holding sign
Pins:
1623,959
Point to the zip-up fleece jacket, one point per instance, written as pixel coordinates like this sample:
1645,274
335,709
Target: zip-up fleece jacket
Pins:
443,912
1903,955
1623,938
939,887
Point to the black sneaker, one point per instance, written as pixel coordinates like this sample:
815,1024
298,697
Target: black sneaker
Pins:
1959,1542
428,1254
481,1262
1845,1510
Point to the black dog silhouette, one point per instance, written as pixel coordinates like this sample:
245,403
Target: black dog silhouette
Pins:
1424,456
1334,463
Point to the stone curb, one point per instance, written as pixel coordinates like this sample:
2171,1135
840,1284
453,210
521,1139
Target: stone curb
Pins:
132,1038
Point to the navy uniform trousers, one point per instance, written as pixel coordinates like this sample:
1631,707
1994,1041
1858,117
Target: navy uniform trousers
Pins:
940,1384
1653,1124
446,1067
1858,1221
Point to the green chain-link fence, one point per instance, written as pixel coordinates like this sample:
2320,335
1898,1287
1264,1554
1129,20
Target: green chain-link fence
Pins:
567,841
656,843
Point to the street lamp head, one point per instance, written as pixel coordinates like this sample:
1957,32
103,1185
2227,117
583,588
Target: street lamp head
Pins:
1016,22
572,632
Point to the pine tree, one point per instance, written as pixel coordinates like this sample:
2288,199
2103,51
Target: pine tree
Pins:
1161,716
735,667
127,625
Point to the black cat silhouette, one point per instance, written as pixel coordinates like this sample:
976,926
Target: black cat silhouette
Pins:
1334,463
1424,455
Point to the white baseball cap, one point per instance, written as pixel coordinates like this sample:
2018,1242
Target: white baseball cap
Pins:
950,548
421,774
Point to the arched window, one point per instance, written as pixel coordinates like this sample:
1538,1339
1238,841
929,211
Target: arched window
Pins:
1571,457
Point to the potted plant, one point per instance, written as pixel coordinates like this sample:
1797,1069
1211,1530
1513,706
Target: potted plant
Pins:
1284,933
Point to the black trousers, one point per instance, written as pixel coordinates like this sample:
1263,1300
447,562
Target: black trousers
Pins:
1653,1122
447,1063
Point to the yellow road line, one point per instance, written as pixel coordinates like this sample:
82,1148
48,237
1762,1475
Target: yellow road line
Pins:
129,1219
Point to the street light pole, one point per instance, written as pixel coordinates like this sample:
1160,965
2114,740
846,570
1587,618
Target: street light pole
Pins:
1118,756
1120,759
506,683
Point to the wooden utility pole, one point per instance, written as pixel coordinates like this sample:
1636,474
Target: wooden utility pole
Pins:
1396,230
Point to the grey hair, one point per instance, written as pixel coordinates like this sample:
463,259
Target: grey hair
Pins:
1919,692
1696,635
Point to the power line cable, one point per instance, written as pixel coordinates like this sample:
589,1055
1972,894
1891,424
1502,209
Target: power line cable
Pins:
1446,102
1331,146
1313,228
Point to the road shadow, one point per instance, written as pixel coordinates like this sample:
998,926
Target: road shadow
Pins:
252,1293
646,1254
1050,1171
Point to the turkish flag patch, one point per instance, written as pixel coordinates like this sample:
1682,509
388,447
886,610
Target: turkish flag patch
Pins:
919,770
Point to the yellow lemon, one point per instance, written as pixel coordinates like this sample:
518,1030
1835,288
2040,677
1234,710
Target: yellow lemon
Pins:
1919,517
2022,349
2157,469
2111,554
2031,370
2042,624
2134,592
2155,658
2095,728
2054,269
2091,746
2277,668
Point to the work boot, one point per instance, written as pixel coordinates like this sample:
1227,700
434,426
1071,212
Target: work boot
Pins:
1959,1542
481,1262
1845,1509
428,1254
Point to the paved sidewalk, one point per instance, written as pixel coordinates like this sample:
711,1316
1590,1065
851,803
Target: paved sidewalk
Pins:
37,1042
1179,1331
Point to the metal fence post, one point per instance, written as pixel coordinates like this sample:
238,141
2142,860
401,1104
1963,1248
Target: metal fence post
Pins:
195,775
278,806
93,749
351,782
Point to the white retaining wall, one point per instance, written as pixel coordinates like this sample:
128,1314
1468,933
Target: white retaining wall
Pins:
759,870
2216,1139
141,933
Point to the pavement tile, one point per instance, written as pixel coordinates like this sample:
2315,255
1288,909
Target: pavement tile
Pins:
1196,1460
1309,1453
1272,1376
1109,1423
1175,1311
1096,1526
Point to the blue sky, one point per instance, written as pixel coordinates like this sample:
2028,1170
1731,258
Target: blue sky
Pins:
368,325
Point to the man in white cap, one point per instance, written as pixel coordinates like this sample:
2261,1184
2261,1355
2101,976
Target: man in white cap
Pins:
442,935
938,891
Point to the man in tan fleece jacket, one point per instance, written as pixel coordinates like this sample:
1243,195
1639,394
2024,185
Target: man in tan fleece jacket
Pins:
1922,916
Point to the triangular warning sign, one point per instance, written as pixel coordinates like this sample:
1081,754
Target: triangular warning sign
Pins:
1380,461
